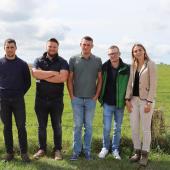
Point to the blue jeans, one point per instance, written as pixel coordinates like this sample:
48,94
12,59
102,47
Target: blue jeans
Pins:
83,113
109,111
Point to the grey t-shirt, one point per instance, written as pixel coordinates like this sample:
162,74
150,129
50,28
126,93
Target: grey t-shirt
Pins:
85,73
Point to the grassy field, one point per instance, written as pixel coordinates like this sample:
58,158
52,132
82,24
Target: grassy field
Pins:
159,159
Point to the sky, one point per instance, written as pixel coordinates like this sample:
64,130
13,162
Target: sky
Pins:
109,22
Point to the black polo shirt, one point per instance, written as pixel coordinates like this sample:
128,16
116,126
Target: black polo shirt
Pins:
44,89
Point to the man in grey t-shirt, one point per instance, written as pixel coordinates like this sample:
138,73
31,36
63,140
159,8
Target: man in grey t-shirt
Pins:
84,85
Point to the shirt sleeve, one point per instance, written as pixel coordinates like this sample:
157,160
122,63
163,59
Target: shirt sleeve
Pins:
64,65
27,78
100,65
36,63
71,64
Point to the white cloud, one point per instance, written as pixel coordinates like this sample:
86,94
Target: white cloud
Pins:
165,6
32,22
163,50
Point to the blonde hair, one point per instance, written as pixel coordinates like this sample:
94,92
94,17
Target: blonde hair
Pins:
134,60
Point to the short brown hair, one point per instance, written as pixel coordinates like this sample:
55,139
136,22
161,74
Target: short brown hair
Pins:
53,40
88,38
10,40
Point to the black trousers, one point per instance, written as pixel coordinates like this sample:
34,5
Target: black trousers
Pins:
54,107
17,107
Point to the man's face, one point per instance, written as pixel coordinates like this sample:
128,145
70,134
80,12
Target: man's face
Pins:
86,46
52,48
10,49
114,55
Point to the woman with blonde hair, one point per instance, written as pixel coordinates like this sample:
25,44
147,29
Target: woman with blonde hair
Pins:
140,95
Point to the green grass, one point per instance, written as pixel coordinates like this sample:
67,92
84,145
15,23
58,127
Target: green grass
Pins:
158,159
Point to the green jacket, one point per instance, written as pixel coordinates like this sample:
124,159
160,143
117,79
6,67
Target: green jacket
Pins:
121,83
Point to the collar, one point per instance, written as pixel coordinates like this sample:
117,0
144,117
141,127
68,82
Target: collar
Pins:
120,63
86,58
10,59
142,69
55,58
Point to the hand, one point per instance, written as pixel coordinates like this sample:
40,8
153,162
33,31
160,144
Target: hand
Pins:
95,98
147,108
72,97
129,106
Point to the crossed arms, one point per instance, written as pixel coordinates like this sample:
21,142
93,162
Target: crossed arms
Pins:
50,76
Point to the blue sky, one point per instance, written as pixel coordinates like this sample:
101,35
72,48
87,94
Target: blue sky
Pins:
33,22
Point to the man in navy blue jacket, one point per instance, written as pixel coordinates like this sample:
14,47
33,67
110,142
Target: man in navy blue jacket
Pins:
14,83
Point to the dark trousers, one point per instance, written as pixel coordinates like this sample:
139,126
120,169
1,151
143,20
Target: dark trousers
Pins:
44,107
17,107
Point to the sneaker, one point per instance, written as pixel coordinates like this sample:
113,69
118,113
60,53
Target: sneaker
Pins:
74,157
58,155
116,154
87,156
25,158
9,157
39,154
103,153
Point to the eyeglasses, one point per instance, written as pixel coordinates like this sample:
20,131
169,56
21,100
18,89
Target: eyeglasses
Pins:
111,54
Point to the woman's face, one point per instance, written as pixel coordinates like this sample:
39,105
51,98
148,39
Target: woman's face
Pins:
138,53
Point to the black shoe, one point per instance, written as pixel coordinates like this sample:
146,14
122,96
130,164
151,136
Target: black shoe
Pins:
25,158
9,157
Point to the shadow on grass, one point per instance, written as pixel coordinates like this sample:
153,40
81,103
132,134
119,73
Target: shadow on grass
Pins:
109,163
43,164
157,162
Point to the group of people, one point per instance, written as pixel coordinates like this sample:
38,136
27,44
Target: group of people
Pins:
115,84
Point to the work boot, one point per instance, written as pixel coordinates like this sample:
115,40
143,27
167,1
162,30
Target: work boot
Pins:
9,157
58,155
25,158
39,154
136,157
144,158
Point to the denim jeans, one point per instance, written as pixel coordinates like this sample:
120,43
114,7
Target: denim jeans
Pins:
43,108
109,111
83,113
17,107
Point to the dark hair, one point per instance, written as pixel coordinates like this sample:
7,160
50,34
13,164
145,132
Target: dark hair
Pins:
113,47
88,38
53,40
10,40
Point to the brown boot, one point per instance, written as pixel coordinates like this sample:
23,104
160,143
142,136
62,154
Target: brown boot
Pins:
58,155
136,156
144,158
39,154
